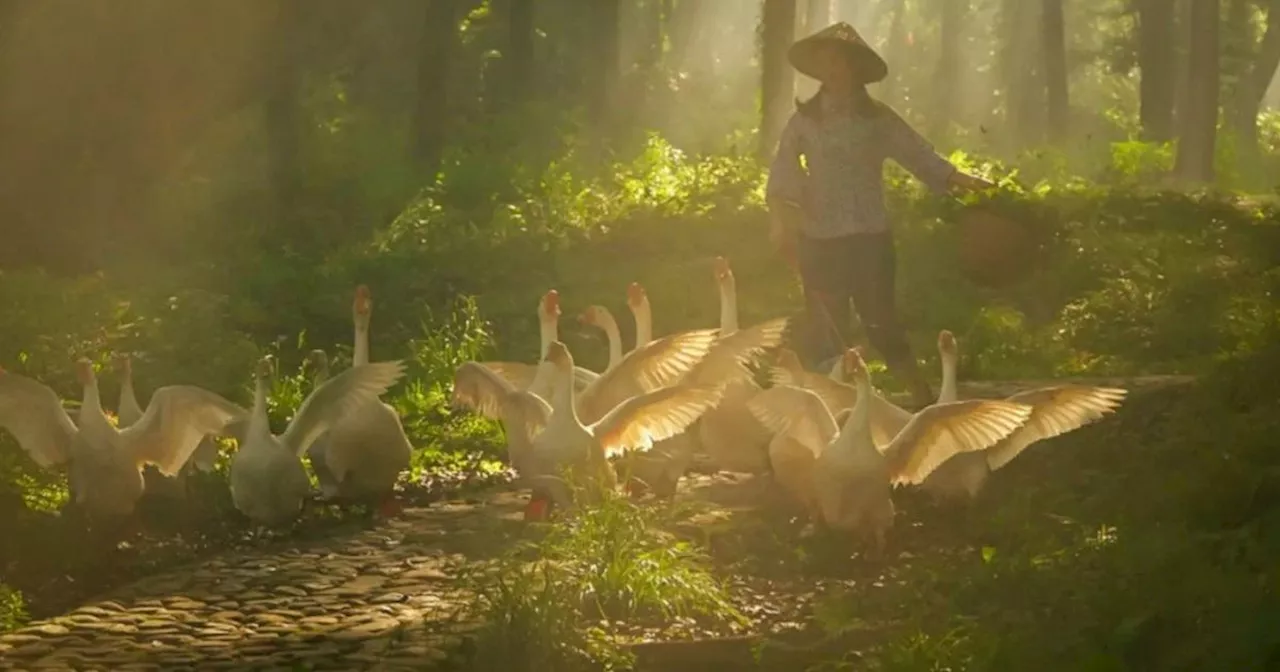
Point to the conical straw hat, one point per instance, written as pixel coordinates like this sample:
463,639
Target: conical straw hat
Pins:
807,54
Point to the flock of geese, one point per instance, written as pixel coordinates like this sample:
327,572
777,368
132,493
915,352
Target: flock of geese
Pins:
355,443
830,441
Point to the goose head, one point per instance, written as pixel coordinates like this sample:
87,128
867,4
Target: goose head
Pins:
724,273
265,369
855,368
362,305
549,306
318,361
947,345
84,373
637,298
123,364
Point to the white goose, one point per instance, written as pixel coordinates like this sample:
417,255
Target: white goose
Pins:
730,435
106,463
633,424
725,364
1055,410
367,449
129,411
659,364
268,483
886,418
852,476
522,413
318,362
601,318
526,376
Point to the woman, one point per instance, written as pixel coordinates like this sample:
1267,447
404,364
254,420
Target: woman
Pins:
830,209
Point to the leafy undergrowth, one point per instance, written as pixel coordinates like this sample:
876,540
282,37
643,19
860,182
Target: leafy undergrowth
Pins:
1150,540
559,602
1147,541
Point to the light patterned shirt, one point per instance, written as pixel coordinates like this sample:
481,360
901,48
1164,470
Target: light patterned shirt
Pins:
840,186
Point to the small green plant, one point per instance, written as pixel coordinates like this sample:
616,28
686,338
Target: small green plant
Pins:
549,600
13,609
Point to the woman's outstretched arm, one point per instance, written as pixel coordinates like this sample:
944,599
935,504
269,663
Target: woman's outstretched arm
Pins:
917,155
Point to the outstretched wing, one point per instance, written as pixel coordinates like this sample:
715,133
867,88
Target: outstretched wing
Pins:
641,421
32,412
335,398
645,369
177,418
797,412
940,431
726,361
1055,411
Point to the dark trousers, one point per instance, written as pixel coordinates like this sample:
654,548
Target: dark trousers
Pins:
859,269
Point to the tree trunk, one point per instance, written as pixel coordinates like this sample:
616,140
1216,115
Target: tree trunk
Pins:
1199,124
947,73
818,14
283,117
893,50
1251,87
1020,72
520,52
430,119
777,83
1156,65
1054,44
606,55
686,28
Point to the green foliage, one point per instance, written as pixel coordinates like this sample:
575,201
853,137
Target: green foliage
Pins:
548,604
13,609
1147,543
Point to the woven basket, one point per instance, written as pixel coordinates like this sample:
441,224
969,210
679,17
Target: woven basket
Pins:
996,251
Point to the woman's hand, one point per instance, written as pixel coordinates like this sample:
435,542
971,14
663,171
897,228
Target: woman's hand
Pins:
966,182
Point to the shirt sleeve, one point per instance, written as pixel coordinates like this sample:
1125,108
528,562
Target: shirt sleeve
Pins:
911,151
787,177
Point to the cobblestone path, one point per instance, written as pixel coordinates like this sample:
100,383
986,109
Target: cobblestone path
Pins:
381,599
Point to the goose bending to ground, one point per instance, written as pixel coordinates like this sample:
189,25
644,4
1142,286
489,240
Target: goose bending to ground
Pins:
1055,410
268,483
105,463
852,476
364,452
526,376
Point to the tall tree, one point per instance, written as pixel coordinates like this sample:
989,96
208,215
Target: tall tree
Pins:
606,54
430,119
519,55
1199,126
1054,48
777,85
1157,68
1021,73
283,113
818,14
951,17
1251,84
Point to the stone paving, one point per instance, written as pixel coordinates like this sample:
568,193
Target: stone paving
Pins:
385,598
